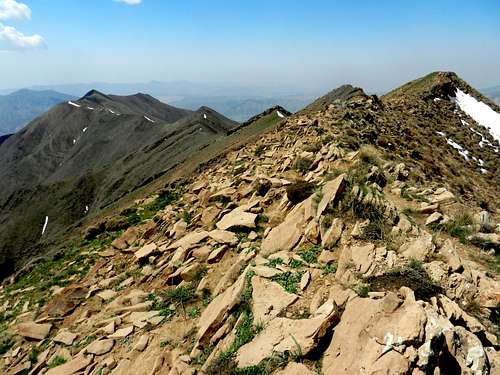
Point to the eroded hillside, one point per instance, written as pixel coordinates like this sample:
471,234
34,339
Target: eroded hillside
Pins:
306,252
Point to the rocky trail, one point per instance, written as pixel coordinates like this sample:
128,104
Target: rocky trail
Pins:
293,255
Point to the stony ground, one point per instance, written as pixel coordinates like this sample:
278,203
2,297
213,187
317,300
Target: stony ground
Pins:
288,256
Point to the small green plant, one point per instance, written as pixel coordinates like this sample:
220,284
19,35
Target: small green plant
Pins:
303,164
164,343
84,342
274,262
193,312
5,344
33,357
362,289
295,263
329,268
416,264
310,255
288,280
57,361
259,150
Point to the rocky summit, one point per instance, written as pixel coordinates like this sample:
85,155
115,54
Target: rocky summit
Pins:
360,235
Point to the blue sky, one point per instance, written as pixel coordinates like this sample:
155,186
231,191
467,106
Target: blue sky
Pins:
307,44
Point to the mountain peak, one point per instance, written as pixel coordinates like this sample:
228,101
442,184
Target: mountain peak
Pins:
94,94
341,94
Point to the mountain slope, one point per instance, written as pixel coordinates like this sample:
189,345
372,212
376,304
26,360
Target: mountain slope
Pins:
296,252
19,108
83,155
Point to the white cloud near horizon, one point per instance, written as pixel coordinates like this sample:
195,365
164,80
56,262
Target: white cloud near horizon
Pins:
130,2
11,39
12,10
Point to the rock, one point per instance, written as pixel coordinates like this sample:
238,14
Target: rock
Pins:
442,196
286,235
142,343
122,333
209,215
67,301
449,252
237,218
216,255
223,236
434,218
304,280
107,295
189,240
217,311
65,337
485,221
77,364
191,272
202,253
283,334
100,347
419,248
178,229
332,236
145,251
294,368
427,208
269,299
326,257
33,330
380,329
331,191
266,272
359,228
467,350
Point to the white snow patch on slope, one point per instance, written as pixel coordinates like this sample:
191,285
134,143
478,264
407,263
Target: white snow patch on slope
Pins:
91,108
205,116
84,129
480,112
281,115
45,224
147,118
441,134
113,112
74,104
460,149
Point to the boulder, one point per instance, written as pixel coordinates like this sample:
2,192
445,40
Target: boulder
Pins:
286,235
223,236
145,251
100,347
65,337
332,236
331,191
282,334
217,311
72,367
189,240
380,329
418,248
269,299
33,330
237,218
450,254
434,218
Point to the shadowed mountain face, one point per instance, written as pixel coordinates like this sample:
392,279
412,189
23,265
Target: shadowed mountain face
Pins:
83,155
20,107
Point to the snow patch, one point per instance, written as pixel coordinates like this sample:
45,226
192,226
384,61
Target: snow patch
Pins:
483,171
91,108
436,100
45,224
460,149
74,141
205,116
480,112
441,134
74,104
86,209
84,129
281,115
113,112
147,118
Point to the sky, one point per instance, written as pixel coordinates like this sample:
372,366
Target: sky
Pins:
313,44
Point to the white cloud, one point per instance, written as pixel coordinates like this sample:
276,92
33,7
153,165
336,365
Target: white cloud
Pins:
12,10
130,2
12,39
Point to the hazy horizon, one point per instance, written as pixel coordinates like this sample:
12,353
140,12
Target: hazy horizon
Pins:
296,47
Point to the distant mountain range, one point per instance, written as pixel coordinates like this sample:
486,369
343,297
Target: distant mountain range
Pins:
20,107
493,93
